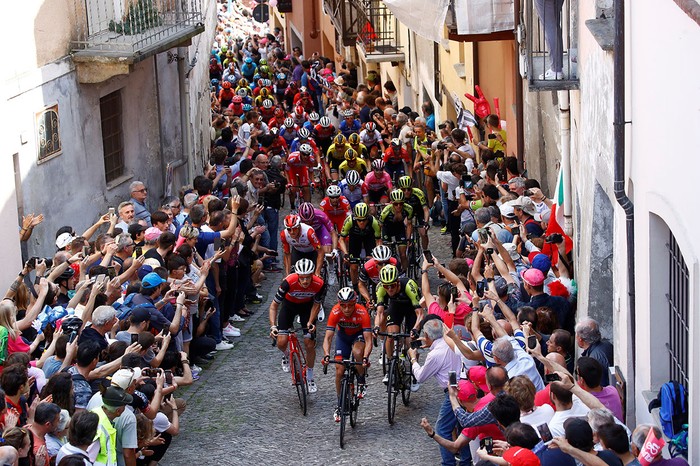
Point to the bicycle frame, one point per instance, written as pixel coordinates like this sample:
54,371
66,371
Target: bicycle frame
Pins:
349,401
297,362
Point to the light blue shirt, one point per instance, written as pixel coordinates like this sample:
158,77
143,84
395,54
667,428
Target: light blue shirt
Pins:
523,364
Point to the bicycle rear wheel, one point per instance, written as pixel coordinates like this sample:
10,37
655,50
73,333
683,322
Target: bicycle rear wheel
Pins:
354,400
393,390
345,408
299,382
406,378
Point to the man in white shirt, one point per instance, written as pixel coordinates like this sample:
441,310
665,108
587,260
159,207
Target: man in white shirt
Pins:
566,406
452,179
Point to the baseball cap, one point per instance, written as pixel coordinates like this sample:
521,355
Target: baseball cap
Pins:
501,285
519,456
140,314
467,391
144,270
63,240
151,280
507,210
153,234
136,228
526,204
123,378
477,374
512,250
406,110
339,81
533,277
115,397
542,263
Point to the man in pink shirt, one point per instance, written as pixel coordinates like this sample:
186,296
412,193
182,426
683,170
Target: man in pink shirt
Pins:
590,374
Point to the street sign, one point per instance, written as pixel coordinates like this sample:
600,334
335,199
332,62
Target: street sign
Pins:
261,13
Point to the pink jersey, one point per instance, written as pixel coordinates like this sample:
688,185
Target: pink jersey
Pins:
378,184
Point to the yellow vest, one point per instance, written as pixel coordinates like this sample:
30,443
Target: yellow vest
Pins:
107,435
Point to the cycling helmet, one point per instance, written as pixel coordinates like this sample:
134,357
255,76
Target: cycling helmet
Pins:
304,133
388,275
267,103
307,212
333,191
303,89
339,140
370,126
260,82
396,195
313,116
349,114
247,107
214,82
242,92
267,83
405,182
352,178
288,122
346,295
381,253
281,76
292,221
274,131
262,62
264,93
243,82
350,154
248,60
354,139
299,110
378,164
226,85
360,211
279,113
260,118
304,267
237,99
305,149
396,142
325,122
264,69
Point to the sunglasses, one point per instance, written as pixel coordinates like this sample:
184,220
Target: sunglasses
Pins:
390,286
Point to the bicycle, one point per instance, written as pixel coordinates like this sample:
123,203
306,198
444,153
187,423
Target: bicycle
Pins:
413,254
297,365
400,374
349,401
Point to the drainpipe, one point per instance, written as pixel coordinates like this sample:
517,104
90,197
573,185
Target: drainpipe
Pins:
619,179
565,135
184,108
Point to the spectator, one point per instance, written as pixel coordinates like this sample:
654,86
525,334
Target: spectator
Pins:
46,417
590,373
103,319
639,436
126,215
14,382
533,283
588,338
523,390
138,192
114,402
82,430
516,361
613,437
580,436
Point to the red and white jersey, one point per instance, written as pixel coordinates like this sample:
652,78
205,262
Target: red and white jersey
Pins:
306,242
295,162
337,213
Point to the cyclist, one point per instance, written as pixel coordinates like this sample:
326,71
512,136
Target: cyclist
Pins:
378,184
381,256
267,109
396,158
352,162
322,225
353,188
298,164
335,206
299,116
313,121
396,220
278,119
363,232
299,241
399,298
335,155
354,331
355,143
349,124
416,199
372,139
299,294
288,130
303,137
324,132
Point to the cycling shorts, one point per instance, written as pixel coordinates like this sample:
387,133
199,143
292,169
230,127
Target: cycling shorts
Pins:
376,196
395,230
357,243
288,311
399,312
299,177
344,342
296,255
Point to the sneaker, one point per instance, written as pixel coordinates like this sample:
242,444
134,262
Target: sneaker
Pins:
273,269
551,75
336,414
443,230
285,363
224,345
195,369
230,331
236,318
195,377
415,386
385,380
257,299
311,386
362,390
321,314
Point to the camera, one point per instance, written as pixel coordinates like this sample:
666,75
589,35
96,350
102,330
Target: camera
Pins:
415,344
441,145
33,260
554,238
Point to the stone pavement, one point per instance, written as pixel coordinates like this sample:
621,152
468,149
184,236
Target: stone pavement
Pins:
244,409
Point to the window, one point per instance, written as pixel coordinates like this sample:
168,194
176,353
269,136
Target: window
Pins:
48,136
112,136
677,297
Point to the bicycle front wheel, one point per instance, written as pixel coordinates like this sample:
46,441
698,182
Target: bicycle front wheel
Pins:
345,408
299,382
407,374
393,389
354,401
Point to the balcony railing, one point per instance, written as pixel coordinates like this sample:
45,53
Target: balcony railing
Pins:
344,14
134,28
377,35
551,46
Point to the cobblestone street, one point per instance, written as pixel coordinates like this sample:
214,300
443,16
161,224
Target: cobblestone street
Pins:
245,410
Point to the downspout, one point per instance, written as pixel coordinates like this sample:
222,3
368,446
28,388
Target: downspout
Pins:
184,108
160,127
619,176
519,106
565,135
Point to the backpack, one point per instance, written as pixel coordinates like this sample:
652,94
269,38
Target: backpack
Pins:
124,309
673,401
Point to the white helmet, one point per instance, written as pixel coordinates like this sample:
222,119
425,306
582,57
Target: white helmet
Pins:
306,149
304,267
333,191
352,177
381,253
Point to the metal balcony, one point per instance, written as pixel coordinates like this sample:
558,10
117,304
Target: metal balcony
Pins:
131,30
378,35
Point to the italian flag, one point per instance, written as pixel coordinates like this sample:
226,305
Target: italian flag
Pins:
556,221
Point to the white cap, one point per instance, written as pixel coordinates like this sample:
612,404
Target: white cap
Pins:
64,239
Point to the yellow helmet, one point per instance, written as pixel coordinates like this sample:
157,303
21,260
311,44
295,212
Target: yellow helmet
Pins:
396,195
354,139
405,182
389,274
339,140
360,211
350,154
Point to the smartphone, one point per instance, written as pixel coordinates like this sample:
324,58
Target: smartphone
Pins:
545,433
483,235
491,136
489,251
169,377
549,378
273,253
134,338
487,442
111,211
72,337
416,344
138,251
111,272
483,303
454,291
166,332
86,251
428,255
480,288
532,342
100,278
147,372
453,379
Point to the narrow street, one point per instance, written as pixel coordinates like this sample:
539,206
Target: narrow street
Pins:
246,411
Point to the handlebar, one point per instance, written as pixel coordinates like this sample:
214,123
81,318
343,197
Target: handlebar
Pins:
345,362
395,336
